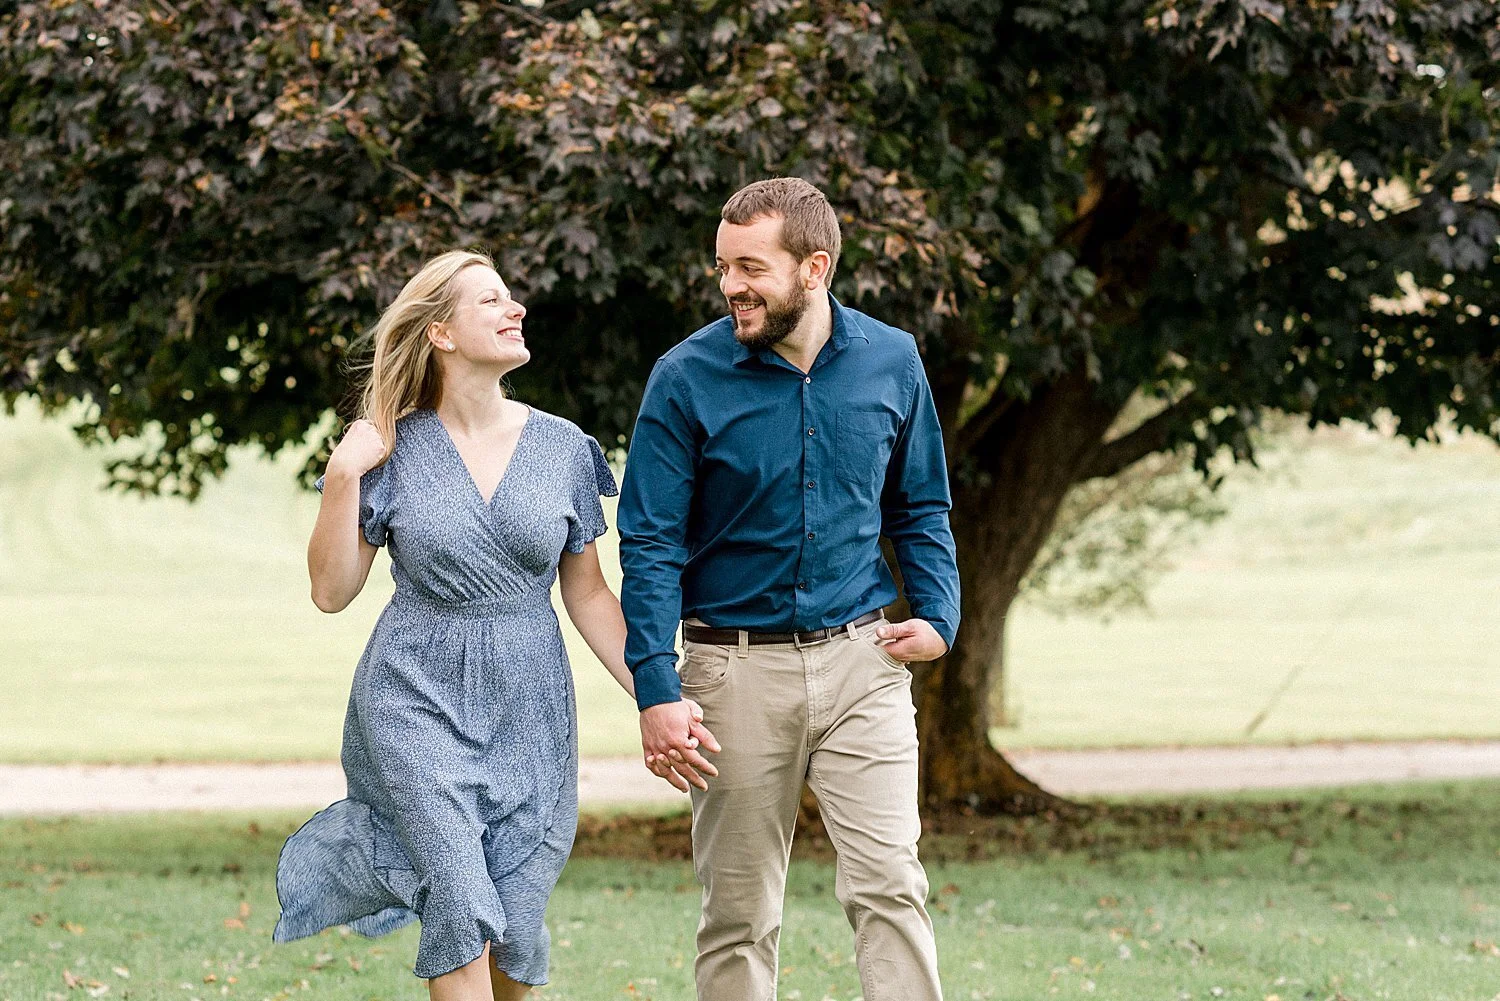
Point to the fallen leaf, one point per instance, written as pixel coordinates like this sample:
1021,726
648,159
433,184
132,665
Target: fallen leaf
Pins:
234,923
122,972
69,926
70,980
39,919
244,908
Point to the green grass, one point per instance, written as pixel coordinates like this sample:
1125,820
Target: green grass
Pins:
1359,568
1356,894
156,629
1357,571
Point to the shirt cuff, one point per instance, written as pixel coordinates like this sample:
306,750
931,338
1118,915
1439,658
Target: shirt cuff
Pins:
944,618
656,681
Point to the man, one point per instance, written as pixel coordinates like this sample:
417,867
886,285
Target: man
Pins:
773,449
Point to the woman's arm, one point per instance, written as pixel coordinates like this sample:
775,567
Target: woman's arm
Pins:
338,557
595,611
596,614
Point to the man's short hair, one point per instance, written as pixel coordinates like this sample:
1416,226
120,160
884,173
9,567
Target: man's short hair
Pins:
808,221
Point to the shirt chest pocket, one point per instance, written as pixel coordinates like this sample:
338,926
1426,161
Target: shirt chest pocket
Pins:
863,447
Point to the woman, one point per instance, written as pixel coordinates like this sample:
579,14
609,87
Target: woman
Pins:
459,744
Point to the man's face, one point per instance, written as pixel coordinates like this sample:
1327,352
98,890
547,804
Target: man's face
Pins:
761,280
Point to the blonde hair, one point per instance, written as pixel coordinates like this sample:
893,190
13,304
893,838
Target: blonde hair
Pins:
403,375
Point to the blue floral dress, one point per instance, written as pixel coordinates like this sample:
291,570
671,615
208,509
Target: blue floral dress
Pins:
460,744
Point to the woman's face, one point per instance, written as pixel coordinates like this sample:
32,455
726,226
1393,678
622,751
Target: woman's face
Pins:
485,328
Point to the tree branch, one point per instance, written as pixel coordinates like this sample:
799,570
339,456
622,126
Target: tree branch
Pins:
422,183
973,430
1084,211
1152,435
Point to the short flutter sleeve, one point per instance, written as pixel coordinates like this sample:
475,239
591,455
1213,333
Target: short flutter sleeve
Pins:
592,479
374,504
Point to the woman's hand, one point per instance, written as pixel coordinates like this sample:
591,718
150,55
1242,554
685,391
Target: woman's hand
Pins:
358,452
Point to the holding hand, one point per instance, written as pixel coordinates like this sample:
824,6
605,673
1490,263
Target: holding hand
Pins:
671,734
912,640
358,452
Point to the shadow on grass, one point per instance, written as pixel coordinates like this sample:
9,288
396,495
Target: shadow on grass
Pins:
1465,813
1408,820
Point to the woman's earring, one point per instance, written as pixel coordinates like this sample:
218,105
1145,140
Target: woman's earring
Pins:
448,346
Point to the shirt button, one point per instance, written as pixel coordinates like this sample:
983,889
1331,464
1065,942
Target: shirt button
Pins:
802,585
810,432
811,484
812,535
806,380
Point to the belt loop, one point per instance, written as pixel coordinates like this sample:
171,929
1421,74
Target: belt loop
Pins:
744,650
852,630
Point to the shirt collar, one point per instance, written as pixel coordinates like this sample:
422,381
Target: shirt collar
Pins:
844,328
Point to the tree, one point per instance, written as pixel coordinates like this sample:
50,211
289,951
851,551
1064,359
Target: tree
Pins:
1217,206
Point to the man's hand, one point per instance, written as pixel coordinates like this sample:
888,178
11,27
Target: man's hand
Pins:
912,640
671,734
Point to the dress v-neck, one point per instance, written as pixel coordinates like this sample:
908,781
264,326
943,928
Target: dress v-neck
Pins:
459,456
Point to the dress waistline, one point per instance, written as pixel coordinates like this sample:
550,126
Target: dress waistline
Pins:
479,608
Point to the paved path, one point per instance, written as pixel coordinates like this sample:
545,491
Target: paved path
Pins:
65,789
1211,769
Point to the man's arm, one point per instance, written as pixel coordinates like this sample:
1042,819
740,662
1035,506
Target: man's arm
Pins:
914,515
655,497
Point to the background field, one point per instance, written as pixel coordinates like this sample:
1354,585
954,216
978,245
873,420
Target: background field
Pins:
1357,575
1355,894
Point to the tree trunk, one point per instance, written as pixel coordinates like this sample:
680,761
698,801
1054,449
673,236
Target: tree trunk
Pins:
1006,496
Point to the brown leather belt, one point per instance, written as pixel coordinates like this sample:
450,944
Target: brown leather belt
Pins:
730,637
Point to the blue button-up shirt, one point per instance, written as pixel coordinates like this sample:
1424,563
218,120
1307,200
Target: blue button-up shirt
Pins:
755,494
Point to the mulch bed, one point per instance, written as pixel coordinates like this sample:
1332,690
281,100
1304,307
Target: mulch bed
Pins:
1095,830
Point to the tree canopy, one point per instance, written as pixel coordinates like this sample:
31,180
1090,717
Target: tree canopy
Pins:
1217,206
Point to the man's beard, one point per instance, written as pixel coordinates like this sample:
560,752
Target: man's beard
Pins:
780,320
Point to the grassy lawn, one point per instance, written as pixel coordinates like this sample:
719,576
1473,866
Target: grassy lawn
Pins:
1356,895
1354,571
1357,572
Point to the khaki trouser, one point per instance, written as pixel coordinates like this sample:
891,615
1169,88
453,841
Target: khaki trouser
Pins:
839,716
